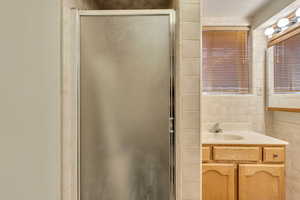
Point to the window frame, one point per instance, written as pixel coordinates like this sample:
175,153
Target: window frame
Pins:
249,55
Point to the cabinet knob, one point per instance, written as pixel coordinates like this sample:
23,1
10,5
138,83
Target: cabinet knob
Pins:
275,155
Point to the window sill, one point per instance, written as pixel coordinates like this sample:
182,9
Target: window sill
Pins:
296,94
297,110
228,94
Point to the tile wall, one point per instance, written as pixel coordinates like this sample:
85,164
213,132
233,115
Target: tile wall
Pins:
188,110
286,126
284,100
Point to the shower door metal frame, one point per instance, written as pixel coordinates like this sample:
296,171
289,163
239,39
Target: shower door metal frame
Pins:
172,121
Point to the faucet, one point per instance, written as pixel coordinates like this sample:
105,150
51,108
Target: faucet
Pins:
216,128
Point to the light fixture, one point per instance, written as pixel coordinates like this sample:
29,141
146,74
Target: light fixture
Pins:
269,31
297,13
283,22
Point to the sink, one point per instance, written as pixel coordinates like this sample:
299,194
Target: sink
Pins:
223,136
231,137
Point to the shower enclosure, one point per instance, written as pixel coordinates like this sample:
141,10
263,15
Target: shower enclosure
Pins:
126,136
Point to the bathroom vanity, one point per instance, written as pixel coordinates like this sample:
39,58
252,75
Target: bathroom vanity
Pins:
243,166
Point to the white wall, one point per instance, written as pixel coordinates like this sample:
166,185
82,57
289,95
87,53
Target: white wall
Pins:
268,11
30,100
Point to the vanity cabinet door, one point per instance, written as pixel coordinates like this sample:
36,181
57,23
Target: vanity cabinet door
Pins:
219,181
261,182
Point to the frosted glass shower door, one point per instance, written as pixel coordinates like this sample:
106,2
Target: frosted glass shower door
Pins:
125,106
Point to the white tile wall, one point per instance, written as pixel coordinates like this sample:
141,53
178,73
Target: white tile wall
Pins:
231,111
188,138
286,126
191,31
190,120
191,66
190,12
191,84
190,48
189,188
191,102
189,39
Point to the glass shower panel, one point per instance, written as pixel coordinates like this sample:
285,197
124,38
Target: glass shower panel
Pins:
124,107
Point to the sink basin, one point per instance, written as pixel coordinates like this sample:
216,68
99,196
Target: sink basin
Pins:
222,136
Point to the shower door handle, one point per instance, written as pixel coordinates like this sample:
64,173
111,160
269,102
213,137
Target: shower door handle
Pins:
171,124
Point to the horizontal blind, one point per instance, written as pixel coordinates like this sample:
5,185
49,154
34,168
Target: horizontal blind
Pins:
287,65
225,61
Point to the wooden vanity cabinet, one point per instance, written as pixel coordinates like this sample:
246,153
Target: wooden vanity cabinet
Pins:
261,181
219,181
248,173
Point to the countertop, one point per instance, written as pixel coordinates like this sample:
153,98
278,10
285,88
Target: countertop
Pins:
248,137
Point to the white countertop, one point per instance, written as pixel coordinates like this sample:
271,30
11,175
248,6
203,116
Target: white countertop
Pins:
248,137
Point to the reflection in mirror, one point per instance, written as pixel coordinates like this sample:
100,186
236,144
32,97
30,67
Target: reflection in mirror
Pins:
283,68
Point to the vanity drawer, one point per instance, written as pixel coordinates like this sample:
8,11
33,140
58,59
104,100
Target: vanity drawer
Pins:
206,153
274,154
226,153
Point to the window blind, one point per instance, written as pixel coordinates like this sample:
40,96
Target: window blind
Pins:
225,61
287,65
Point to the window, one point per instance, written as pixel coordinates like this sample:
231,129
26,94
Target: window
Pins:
225,61
287,65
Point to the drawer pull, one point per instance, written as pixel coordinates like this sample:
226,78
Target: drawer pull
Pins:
275,155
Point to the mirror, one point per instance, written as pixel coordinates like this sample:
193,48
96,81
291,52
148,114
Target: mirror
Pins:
283,74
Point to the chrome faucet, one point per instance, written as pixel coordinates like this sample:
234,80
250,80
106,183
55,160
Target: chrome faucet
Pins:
216,128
